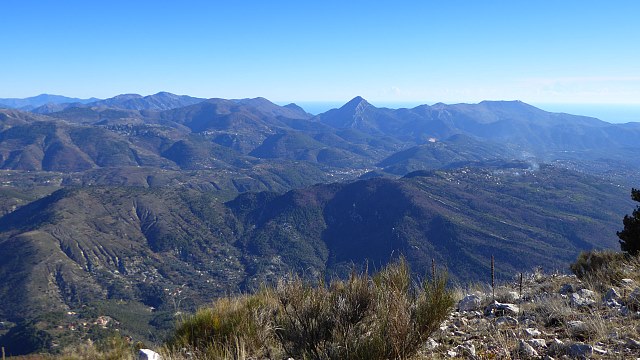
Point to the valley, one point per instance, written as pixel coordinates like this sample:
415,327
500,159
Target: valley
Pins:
163,203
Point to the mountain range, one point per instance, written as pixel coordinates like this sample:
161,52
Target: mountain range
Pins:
46,104
33,102
161,202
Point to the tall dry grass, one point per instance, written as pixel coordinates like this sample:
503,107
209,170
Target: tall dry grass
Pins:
387,316
230,328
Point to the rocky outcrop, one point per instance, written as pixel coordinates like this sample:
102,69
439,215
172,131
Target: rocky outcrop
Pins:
146,354
557,317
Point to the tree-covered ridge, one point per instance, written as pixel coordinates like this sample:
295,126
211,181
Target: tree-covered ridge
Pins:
174,249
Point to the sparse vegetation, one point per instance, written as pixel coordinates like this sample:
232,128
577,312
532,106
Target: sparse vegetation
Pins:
115,347
389,316
562,316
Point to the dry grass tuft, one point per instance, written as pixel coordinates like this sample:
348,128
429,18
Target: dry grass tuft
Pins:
231,326
601,269
386,316
113,348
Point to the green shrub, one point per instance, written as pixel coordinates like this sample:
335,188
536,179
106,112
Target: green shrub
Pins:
601,267
115,347
385,317
382,317
303,323
406,314
228,324
25,338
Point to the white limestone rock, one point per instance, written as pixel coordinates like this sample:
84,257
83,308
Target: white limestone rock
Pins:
146,354
526,351
469,303
583,298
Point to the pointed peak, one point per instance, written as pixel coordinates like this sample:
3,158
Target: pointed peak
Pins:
258,101
298,110
355,102
294,106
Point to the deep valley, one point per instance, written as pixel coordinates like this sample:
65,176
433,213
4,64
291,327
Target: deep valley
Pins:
166,202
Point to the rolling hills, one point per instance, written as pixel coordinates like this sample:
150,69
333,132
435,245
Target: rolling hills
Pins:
82,249
162,202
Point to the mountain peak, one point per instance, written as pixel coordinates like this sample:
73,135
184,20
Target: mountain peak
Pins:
126,97
356,102
296,107
157,102
164,93
255,102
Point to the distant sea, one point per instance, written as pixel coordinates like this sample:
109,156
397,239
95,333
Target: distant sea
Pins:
613,113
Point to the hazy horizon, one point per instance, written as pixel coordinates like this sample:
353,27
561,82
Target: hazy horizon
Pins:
612,113
615,113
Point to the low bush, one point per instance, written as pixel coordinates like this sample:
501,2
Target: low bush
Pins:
386,316
231,325
114,347
600,267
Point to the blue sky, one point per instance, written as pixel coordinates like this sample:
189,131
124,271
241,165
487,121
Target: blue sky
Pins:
558,51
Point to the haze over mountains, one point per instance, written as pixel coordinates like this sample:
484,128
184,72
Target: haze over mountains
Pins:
40,100
132,198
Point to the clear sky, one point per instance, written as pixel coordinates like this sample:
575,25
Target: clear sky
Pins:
542,51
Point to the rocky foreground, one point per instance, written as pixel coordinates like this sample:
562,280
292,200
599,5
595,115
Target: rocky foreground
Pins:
554,317
593,314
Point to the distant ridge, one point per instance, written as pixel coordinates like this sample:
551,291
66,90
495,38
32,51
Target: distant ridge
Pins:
47,104
50,103
160,101
355,134
298,109
40,100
